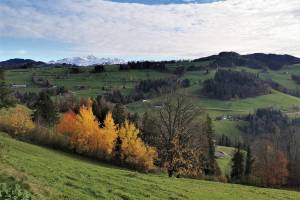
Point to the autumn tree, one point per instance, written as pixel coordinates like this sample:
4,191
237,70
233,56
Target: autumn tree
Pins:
83,130
293,154
177,124
110,134
16,121
271,165
133,150
67,123
87,129
108,142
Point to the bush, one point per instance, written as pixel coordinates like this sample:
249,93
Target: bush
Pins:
14,192
49,137
16,121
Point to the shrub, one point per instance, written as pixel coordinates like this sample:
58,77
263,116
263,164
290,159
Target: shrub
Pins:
14,192
16,121
49,137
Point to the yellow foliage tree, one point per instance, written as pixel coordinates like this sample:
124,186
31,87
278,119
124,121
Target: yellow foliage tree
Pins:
133,149
88,138
16,120
88,133
110,133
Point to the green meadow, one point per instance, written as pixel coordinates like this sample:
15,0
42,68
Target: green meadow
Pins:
51,174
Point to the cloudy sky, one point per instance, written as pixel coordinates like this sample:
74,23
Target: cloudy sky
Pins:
147,29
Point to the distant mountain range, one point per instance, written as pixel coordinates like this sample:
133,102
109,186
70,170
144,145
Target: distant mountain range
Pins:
17,63
223,59
88,60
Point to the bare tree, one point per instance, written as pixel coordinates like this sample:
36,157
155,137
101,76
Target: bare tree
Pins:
177,130
271,164
293,152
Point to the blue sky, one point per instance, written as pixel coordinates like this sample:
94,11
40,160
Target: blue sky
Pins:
159,2
146,29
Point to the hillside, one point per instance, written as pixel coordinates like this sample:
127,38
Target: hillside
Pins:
255,61
18,63
55,175
92,84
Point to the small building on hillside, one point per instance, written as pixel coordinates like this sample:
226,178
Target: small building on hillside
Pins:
18,85
219,154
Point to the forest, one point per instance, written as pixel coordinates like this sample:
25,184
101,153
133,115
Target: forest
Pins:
228,84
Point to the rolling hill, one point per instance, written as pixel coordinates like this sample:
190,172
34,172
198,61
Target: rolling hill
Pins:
92,84
51,174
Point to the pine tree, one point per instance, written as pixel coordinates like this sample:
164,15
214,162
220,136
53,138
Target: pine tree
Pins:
249,162
118,150
119,114
211,168
237,170
45,111
5,93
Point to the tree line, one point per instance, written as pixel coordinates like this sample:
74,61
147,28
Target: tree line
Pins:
146,89
274,139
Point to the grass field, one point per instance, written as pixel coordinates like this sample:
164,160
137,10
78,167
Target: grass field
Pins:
93,82
224,163
55,175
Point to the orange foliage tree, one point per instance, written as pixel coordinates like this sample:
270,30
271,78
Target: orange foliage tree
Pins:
67,123
87,137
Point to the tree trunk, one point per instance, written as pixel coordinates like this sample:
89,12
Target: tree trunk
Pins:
170,172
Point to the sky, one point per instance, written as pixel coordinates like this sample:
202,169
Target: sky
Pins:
147,29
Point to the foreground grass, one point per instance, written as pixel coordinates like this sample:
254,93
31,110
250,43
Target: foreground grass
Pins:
55,175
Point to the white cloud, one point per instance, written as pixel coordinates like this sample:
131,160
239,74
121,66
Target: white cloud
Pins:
182,30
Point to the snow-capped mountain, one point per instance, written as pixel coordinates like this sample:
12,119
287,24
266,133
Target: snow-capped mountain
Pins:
89,60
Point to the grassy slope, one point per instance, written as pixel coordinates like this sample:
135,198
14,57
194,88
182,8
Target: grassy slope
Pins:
55,175
224,163
94,83
282,76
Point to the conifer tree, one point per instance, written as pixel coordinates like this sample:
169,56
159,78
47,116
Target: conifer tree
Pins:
211,165
119,114
249,162
45,111
237,170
